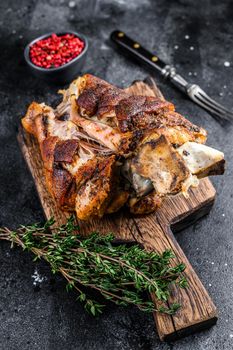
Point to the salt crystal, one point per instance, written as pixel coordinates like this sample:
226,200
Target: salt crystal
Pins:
195,74
191,48
212,263
224,87
227,64
190,73
20,36
225,264
231,335
37,278
210,284
221,94
176,47
104,47
72,4
223,214
13,31
187,37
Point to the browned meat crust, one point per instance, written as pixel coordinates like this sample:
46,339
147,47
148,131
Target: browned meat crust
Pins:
47,147
139,112
93,197
65,150
99,97
34,110
63,187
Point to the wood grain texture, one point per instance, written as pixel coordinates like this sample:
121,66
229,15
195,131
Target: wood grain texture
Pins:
153,231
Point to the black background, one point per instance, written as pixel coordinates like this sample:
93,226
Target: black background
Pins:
45,316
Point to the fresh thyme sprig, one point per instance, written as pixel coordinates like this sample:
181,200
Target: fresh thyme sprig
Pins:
121,273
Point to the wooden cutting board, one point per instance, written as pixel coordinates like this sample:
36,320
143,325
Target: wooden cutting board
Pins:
152,231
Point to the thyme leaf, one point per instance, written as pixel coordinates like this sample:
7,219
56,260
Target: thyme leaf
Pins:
121,273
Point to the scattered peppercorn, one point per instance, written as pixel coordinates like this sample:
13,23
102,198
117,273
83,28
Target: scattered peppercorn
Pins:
55,51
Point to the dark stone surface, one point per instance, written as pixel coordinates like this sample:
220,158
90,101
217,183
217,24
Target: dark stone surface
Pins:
44,316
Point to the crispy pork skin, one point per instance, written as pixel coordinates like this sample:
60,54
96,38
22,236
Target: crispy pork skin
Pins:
97,97
139,112
63,187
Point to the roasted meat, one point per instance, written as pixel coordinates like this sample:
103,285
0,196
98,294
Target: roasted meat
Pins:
103,148
159,162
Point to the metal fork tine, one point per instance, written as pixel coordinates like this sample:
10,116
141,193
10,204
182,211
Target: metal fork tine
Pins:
222,113
200,97
205,105
208,98
211,105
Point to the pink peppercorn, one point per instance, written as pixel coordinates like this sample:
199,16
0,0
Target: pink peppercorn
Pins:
55,51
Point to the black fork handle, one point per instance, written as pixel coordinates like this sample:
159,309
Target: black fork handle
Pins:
137,51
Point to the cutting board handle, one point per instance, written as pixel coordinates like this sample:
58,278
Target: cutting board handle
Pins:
153,231
197,309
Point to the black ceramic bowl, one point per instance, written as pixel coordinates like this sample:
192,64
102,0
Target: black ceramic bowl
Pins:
63,74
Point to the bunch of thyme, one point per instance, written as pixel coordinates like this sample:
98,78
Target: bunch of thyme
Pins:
121,273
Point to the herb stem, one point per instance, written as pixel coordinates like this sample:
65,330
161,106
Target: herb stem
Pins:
122,274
